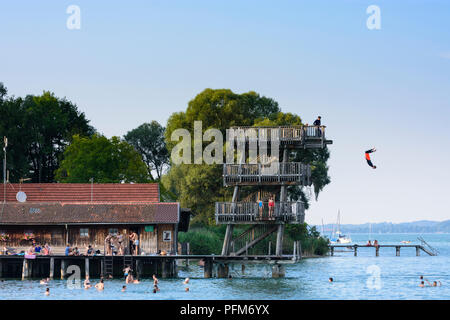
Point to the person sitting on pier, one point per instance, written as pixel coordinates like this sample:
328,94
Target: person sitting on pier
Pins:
67,250
369,243
89,251
37,248
46,251
375,243
369,162
74,252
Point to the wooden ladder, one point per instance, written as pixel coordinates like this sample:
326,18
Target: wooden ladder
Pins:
108,265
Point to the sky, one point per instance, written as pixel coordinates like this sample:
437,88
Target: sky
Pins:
136,61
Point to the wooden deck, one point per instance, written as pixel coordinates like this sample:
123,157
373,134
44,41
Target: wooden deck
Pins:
250,213
289,173
294,136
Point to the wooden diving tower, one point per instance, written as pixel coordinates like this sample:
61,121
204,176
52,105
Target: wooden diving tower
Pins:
276,175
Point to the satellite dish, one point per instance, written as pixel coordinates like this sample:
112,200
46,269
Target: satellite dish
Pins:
21,196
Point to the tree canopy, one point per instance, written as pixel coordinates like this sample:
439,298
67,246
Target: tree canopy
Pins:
148,140
39,128
104,160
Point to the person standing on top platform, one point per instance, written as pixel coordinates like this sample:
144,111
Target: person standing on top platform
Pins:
318,123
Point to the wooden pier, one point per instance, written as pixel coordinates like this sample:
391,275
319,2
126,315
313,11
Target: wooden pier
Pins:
355,247
62,267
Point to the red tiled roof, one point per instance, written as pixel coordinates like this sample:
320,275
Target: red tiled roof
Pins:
72,192
89,213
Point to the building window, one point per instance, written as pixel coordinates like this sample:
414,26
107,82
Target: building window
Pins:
84,232
113,231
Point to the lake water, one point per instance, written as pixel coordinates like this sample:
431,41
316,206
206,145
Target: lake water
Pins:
355,278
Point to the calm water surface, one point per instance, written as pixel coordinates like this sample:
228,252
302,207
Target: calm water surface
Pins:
308,279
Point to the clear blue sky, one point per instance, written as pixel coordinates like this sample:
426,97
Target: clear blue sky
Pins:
136,61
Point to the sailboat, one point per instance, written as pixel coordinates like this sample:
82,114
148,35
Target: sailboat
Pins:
340,238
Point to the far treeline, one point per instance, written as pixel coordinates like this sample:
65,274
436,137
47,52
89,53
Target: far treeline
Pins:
50,140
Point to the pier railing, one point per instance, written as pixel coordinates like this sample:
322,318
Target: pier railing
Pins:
277,172
251,212
312,136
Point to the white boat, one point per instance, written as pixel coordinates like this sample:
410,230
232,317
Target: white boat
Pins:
340,238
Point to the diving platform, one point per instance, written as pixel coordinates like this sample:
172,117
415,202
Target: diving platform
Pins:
251,213
308,137
288,173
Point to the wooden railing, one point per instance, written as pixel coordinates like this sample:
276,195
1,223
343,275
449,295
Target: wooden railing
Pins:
296,172
284,134
251,212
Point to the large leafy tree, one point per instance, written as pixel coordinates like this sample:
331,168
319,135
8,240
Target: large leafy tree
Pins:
39,128
148,140
105,160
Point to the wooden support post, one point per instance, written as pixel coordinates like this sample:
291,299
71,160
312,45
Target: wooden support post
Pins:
332,251
52,268
417,251
24,269
377,251
63,269
138,269
164,268
86,267
299,249
102,267
30,269
222,271
227,240
208,268
1,268
356,250
270,248
280,232
278,271
397,251
243,269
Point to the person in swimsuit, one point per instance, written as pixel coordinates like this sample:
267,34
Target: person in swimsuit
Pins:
87,283
369,161
271,207
261,206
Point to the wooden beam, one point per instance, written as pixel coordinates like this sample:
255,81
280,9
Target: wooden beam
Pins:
254,242
86,267
52,268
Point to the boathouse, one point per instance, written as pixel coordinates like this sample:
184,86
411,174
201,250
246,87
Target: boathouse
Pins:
84,214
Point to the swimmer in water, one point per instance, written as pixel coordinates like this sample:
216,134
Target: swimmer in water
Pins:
47,291
330,280
100,285
124,288
87,283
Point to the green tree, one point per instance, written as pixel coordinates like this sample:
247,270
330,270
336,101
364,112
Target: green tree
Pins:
148,140
105,160
39,128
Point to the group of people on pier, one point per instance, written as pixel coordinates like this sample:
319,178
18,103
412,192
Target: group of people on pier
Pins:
115,244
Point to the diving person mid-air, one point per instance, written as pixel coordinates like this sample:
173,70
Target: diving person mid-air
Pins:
369,162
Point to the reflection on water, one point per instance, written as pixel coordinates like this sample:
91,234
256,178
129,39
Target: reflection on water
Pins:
308,279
